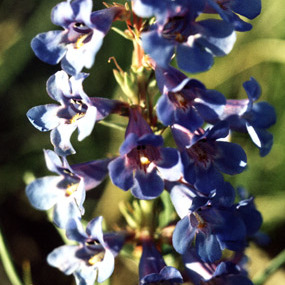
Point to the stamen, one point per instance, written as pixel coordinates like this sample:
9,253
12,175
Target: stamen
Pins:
144,160
201,222
96,258
76,117
80,41
71,189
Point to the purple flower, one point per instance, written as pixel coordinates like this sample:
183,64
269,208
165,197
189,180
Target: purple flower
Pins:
228,10
205,157
76,110
254,118
93,258
186,101
153,270
143,163
66,191
82,37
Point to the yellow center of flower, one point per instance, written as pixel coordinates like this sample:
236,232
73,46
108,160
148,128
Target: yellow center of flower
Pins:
201,222
76,117
96,258
71,189
144,160
80,41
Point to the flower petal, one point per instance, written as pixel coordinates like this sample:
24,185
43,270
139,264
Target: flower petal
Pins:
62,14
183,235
170,167
147,185
82,10
208,247
193,59
43,192
159,49
86,124
58,85
93,172
65,210
44,117
48,47
64,258
231,158
60,138
120,175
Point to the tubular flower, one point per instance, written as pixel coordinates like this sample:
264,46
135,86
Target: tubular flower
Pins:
214,222
153,270
93,258
66,191
228,10
253,118
176,30
76,110
76,46
223,273
143,163
186,101
205,157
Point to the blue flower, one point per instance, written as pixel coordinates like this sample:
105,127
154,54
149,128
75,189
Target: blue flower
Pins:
213,227
143,163
66,191
229,8
82,37
205,157
182,196
251,217
185,197
186,101
223,273
176,31
162,9
215,222
254,118
153,270
76,110
93,258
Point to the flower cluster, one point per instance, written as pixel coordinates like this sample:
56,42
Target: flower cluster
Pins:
190,172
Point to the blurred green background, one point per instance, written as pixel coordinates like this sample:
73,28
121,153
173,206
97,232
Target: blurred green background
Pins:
28,235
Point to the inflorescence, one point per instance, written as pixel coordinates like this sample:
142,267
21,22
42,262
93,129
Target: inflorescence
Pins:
212,226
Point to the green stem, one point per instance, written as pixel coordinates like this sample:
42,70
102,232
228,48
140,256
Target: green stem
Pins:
273,266
148,212
112,125
7,263
121,33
